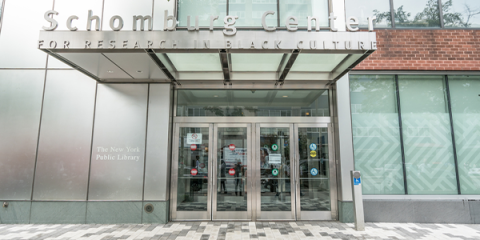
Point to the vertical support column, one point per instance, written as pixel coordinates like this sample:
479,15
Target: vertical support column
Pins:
344,160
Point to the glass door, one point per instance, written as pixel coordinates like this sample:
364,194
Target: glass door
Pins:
315,173
191,183
232,162
275,199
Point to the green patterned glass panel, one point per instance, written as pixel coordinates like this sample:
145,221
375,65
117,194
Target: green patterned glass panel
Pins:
204,10
465,96
427,136
376,135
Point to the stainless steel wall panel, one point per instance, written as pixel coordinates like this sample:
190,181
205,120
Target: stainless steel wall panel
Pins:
158,135
21,24
138,65
159,7
344,159
117,161
65,137
21,94
126,9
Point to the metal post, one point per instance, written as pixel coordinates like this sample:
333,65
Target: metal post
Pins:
357,200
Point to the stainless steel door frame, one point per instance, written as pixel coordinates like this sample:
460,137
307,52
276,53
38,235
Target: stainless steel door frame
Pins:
317,215
189,215
231,215
272,215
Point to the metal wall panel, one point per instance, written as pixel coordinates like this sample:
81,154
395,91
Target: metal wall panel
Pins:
22,22
79,8
65,137
118,149
126,9
345,138
158,150
21,94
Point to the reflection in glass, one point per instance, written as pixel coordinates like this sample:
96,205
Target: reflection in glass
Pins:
192,189
376,134
275,169
202,9
195,61
314,169
253,103
427,136
302,9
464,94
232,169
317,62
250,12
415,13
461,13
362,9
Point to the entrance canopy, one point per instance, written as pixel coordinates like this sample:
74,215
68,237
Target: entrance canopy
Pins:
210,58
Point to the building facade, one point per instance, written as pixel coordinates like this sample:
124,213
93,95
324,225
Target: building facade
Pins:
152,111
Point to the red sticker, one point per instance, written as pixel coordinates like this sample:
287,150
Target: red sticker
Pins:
231,147
231,171
193,147
194,171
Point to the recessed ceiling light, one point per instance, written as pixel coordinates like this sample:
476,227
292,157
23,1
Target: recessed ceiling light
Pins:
215,95
110,71
285,96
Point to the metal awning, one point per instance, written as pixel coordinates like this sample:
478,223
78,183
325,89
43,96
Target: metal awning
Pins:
210,57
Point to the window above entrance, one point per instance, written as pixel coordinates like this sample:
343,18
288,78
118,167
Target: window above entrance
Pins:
253,103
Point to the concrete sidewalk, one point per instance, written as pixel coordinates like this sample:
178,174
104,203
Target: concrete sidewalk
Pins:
242,230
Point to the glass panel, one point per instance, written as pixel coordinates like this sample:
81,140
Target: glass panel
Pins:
464,93
202,9
250,12
361,9
314,169
317,62
192,188
275,169
427,136
253,103
461,13
416,13
232,169
189,62
376,133
303,8
256,62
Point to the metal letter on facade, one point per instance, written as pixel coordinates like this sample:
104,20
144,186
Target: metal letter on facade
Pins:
291,26
90,19
332,22
264,22
229,25
212,19
69,23
53,22
120,23
166,18
370,23
142,22
352,22
189,28
317,24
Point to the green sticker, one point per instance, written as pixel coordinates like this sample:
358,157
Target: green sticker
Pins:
274,147
275,172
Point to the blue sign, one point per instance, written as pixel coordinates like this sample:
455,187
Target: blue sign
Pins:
313,146
314,171
356,181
